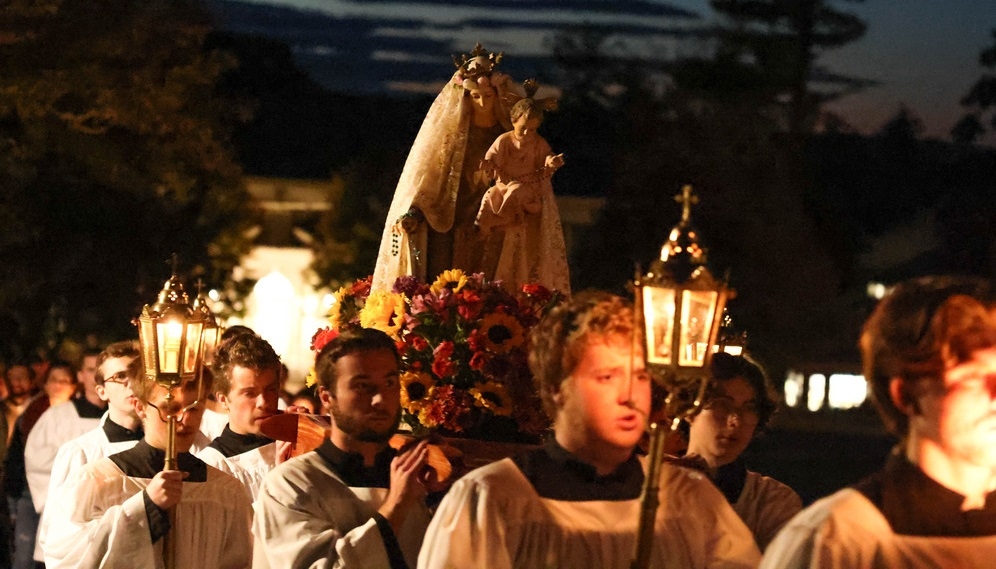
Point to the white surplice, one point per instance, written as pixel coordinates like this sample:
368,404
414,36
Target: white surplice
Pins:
71,458
106,525
493,517
846,530
307,516
766,505
249,468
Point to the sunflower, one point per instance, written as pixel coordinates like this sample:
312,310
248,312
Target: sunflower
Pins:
384,311
502,332
492,396
415,390
335,312
454,279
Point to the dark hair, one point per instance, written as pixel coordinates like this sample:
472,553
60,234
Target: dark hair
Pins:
236,330
246,350
61,364
125,349
725,367
923,327
562,336
349,342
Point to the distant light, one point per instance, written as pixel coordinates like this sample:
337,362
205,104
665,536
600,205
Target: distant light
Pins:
793,387
817,391
214,295
847,391
734,350
877,290
328,300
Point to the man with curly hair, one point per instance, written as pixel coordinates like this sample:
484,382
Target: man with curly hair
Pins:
575,502
929,355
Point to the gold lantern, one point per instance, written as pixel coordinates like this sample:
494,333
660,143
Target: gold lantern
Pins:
680,306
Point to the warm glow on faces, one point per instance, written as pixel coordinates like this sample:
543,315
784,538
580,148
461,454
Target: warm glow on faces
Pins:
59,385
253,397
119,396
726,424
367,401
959,418
602,405
187,423
524,127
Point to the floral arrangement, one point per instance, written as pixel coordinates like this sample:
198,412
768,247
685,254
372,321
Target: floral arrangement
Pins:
463,343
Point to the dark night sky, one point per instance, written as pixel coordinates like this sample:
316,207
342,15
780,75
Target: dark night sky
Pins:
921,53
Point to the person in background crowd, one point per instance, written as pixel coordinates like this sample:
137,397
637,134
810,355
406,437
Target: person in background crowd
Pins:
119,429
20,381
929,355
354,501
307,399
60,424
576,501
59,385
246,373
739,406
115,513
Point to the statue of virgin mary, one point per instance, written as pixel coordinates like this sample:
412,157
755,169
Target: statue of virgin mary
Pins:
430,225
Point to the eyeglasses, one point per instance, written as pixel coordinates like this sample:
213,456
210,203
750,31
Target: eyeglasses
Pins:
724,407
121,378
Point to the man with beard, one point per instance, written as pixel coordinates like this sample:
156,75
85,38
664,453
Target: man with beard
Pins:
247,386
929,355
354,501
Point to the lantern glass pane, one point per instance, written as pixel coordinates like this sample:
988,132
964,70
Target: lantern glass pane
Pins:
658,315
192,347
210,337
698,307
170,336
147,337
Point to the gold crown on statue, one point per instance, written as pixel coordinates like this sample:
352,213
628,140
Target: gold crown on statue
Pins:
478,65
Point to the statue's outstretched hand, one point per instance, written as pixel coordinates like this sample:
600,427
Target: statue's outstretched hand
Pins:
554,161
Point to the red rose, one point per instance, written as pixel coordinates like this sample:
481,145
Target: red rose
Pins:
443,367
477,361
419,343
323,337
444,350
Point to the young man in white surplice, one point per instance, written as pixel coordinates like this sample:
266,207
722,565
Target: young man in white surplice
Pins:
120,429
576,501
116,512
247,386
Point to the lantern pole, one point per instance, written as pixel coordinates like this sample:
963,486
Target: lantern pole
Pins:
679,306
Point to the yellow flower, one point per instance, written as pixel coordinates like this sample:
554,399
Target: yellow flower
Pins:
502,332
415,390
384,311
335,313
312,378
454,279
492,396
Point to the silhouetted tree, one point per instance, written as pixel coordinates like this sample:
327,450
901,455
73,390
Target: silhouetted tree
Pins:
981,99
113,155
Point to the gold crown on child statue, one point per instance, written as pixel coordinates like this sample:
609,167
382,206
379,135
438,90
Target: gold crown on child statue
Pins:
476,67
